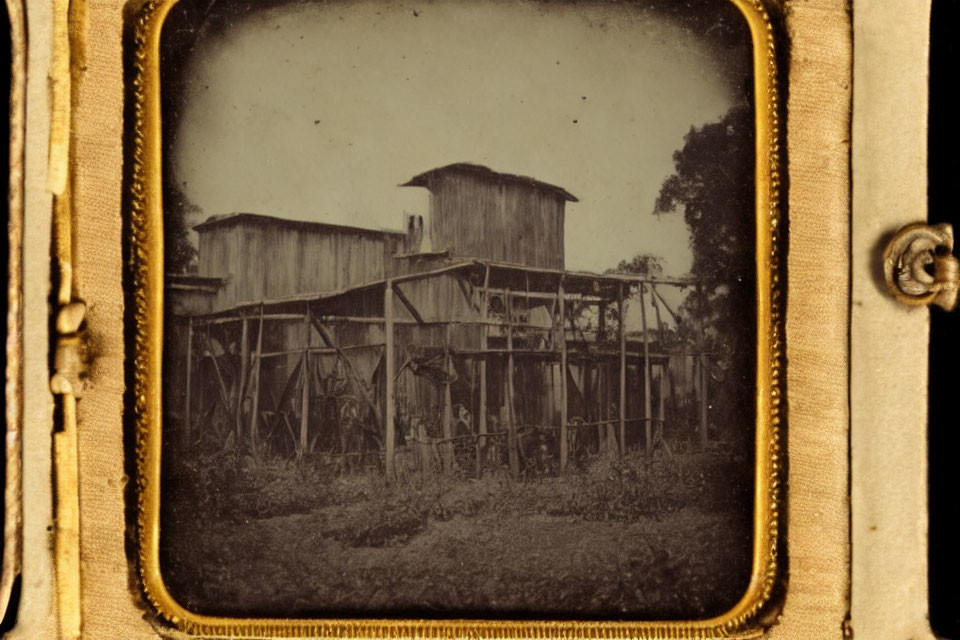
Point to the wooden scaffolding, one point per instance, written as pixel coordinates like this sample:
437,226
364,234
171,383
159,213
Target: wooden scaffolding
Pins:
262,358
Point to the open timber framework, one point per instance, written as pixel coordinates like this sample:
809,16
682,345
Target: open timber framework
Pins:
476,350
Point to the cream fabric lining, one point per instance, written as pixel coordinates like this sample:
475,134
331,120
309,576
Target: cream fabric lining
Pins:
818,144
889,341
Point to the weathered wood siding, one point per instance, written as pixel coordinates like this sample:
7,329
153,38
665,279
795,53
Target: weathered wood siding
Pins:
481,217
188,302
441,297
267,261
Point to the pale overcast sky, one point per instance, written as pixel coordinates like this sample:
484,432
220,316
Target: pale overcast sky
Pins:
319,111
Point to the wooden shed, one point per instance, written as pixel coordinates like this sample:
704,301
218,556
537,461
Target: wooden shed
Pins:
262,257
479,213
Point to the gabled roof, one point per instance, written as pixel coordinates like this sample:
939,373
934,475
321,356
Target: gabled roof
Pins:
233,218
423,179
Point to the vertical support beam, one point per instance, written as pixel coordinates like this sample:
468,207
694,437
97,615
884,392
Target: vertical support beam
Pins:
424,449
478,447
305,391
602,383
661,408
610,435
563,377
484,333
390,372
621,330
447,404
647,409
664,364
513,452
254,417
602,321
187,422
601,411
703,370
704,393
224,394
244,368
201,379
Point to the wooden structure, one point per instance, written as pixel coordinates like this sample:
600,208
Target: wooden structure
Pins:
260,257
412,361
479,213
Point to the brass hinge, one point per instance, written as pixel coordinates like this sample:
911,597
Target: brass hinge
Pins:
67,361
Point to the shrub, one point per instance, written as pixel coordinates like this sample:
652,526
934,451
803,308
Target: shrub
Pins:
634,487
228,485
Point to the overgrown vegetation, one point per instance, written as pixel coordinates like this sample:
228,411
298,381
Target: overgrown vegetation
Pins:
666,537
228,485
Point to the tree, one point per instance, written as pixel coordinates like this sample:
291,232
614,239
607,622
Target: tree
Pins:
644,264
713,186
179,252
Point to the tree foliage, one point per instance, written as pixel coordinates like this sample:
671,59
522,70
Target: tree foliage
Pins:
713,187
179,252
644,264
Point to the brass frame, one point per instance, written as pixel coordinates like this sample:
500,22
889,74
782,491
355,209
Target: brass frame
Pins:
147,238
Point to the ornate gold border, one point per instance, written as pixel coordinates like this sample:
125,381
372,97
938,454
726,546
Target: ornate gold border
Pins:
147,242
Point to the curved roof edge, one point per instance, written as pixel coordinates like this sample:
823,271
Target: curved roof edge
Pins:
229,218
423,179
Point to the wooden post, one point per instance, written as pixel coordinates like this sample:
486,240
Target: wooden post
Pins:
389,370
244,367
187,424
602,383
447,451
563,378
254,417
622,310
484,329
200,359
224,395
647,408
704,381
661,409
478,448
665,364
424,449
601,321
513,452
610,436
703,373
305,392
601,411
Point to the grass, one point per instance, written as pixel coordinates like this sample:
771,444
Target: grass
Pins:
615,538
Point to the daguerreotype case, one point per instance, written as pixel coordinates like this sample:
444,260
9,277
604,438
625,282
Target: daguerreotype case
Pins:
378,319
485,402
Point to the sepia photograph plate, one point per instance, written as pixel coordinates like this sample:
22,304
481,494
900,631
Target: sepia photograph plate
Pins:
456,319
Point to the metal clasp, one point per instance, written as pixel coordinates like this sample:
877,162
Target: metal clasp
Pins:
919,266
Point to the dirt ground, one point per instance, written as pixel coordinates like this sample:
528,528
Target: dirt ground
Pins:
472,549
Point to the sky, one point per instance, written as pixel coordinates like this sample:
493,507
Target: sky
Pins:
318,111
